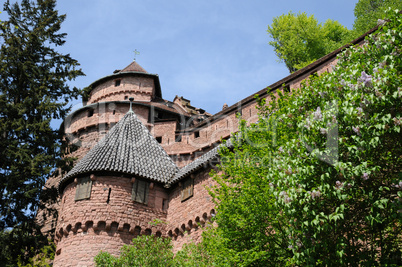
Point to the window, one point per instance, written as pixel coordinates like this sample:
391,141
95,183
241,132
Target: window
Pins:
178,138
165,204
83,190
196,134
117,82
90,113
159,139
140,191
187,189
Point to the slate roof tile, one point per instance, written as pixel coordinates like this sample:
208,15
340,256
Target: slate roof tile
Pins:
199,162
127,148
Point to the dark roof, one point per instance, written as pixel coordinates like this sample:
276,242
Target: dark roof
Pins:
200,162
133,67
128,148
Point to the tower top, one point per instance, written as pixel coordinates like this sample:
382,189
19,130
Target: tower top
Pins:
133,67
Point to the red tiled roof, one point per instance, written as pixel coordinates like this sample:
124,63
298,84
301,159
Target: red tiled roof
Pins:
133,67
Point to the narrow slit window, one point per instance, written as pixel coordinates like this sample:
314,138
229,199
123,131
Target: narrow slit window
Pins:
140,191
83,190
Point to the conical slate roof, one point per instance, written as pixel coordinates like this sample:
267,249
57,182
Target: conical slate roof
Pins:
127,148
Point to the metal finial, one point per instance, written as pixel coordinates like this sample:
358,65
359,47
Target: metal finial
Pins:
131,104
136,53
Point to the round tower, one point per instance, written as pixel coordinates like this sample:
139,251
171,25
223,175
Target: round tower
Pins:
112,194
105,102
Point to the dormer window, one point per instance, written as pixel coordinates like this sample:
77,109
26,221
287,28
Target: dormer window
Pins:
117,82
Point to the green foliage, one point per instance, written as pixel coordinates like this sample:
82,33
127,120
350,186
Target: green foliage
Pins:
299,39
368,12
317,181
33,91
43,259
144,251
153,251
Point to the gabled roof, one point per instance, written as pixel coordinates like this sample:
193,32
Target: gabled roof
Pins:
200,162
128,148
133,67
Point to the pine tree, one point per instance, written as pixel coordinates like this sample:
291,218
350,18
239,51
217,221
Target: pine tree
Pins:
33,90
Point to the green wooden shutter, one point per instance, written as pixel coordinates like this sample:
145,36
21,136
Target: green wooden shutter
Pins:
83,189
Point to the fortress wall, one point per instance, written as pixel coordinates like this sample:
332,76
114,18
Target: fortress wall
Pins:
187,218
141,88
86,226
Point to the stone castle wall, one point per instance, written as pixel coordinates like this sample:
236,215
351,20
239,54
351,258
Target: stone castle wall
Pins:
106,221
141,88
87,226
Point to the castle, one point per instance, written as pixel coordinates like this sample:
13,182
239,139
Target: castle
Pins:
143,159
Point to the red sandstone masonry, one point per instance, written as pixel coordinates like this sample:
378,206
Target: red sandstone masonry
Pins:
87,226
84,223
142,89
186,219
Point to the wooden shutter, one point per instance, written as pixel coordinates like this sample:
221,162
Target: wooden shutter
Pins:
187,189
83,190
140,191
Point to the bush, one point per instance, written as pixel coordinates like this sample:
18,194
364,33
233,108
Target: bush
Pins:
318,179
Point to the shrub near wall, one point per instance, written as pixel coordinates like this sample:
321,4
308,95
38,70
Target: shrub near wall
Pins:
318,179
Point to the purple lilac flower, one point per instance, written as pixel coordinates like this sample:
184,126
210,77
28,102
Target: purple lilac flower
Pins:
280,149
287,199
356,130
323,131
317,114
365,79
397,121
399,185
315,194
342,82
338,185
308,124
380,22
351,86
365,176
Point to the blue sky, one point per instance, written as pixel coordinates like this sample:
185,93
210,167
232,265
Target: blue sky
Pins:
211,52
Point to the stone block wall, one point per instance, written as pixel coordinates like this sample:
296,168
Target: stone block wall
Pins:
106,220
141,88
187,218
